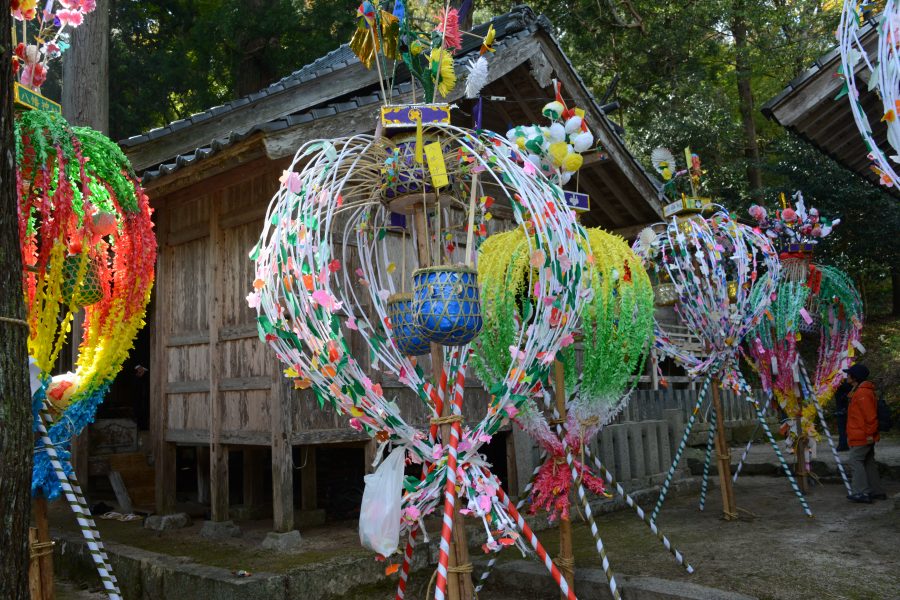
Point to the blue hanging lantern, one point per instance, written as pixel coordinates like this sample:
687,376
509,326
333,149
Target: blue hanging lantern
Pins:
447,305
404,328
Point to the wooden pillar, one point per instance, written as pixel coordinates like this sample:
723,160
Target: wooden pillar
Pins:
459,585
369,450
566,558
282,459
218,475
40,570
308,490
729,507
163,452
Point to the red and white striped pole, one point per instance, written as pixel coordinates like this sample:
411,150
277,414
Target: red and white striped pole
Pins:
450,487
529,535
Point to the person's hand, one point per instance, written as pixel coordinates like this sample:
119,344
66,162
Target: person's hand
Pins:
140,371
870,439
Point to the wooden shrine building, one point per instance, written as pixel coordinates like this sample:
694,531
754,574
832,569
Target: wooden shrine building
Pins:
215,387
809,108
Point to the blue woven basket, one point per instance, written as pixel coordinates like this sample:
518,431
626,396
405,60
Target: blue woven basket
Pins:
404,329
447,305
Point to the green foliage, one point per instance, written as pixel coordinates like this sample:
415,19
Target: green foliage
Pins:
41,135
171,59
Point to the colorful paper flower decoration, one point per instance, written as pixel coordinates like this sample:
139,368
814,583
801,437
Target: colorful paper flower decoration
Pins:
615,324
87,243
555,150
326,266
793,225
51,38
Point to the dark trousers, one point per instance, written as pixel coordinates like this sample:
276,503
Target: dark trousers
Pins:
865,470
842,431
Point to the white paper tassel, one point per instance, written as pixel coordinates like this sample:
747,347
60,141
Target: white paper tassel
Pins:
478,76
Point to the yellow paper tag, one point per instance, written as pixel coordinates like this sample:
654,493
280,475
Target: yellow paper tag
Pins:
436,165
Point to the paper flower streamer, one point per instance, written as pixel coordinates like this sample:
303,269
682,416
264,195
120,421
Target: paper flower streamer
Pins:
87,242
30,60
724,274
332,208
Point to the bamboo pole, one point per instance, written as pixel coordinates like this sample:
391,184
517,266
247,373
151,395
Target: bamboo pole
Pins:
45,558
459,585
566,559
729,507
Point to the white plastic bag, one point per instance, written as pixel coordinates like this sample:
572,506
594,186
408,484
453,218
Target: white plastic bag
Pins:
379,515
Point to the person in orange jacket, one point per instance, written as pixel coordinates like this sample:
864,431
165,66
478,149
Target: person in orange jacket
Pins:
862,433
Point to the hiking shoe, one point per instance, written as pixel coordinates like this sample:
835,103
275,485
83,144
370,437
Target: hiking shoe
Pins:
878,496
860,498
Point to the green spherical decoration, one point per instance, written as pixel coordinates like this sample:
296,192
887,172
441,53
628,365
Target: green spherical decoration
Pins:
85,291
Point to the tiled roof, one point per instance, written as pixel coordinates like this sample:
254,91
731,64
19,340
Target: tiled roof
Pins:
518,19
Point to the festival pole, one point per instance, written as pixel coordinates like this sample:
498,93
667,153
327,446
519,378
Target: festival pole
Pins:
565,560
729,508
459,585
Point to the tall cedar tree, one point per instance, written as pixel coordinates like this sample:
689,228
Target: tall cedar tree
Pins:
16,440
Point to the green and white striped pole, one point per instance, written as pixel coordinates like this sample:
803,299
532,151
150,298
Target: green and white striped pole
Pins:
664,490
710,442
77,502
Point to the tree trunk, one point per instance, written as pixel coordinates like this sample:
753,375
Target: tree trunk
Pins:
16,439
253,70
85,90
743,72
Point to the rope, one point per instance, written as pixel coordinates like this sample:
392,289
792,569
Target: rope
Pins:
448,420
565,563
466,568
459,569
14,321
39,549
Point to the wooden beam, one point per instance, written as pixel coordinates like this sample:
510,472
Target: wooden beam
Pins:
821,87
213,174
163,451
218,466
598,204
621,195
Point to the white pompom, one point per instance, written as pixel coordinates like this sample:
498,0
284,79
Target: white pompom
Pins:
573,124
583,141
557,132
